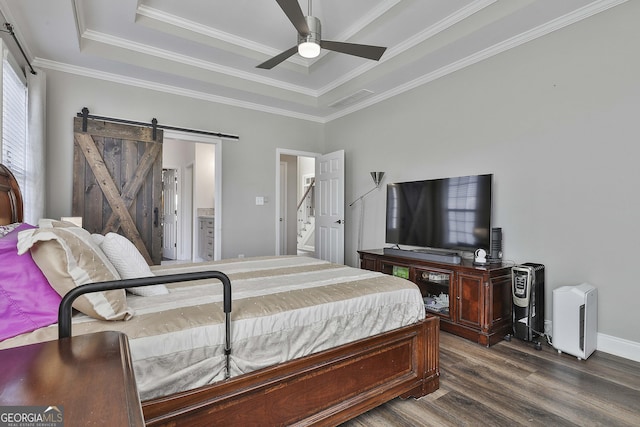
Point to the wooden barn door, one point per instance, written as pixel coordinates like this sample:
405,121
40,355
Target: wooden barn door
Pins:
117,182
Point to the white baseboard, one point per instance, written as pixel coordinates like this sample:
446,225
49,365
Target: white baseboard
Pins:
618,347
608,344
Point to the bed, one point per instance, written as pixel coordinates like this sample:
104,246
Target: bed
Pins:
311,342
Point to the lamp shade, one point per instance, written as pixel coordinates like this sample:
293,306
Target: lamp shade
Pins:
377,177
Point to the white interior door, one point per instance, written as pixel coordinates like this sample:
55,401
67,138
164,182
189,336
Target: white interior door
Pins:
170,218
330,207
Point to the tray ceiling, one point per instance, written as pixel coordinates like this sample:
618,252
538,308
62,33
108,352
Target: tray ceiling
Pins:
209,49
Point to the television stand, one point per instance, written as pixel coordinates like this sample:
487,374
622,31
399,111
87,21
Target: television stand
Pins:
471,301
425,254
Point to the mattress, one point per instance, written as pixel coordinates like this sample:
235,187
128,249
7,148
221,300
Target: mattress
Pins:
283,308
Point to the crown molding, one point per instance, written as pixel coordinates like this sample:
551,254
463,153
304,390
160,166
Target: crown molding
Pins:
170,19
366,20
194,62
556,24
173,90
4,10
77,7
195,27
204,30
542,30
427,33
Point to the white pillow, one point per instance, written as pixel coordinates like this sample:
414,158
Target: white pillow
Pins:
54,223
68,258
97,239
130,264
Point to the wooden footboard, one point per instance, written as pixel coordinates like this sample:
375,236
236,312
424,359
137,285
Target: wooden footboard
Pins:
326,388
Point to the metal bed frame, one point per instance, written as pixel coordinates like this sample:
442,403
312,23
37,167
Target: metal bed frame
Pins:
65,312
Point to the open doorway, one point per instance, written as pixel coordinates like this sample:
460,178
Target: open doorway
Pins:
306,206
325,189
197,161
296,203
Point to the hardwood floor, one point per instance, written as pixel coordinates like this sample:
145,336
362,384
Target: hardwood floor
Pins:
511,384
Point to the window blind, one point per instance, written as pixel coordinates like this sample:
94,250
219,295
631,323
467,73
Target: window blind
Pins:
14,124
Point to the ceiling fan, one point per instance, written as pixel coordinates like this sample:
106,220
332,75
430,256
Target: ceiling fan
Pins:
310,38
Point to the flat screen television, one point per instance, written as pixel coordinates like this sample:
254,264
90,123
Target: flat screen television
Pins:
448,213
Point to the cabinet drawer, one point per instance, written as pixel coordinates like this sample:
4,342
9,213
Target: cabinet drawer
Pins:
204,223
206,238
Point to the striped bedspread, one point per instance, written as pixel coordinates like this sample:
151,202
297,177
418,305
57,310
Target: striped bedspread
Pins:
283,308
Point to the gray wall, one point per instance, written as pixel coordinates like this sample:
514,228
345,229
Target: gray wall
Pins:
248,165
556,122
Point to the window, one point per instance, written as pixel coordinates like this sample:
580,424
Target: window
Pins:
14,124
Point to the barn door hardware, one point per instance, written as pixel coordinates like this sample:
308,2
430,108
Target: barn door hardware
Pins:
154,125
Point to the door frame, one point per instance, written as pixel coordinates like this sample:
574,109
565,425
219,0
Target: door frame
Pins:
187,211
280,152
217,142
282,213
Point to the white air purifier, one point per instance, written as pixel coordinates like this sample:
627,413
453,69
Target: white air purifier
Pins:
575,320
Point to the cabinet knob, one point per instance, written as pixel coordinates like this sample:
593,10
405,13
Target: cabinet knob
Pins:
458,298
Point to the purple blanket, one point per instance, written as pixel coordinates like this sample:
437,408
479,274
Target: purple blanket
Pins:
27,302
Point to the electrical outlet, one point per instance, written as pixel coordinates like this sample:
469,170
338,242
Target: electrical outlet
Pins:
548,327
240,255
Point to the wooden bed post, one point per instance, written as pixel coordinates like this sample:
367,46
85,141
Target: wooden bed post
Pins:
431,378
10,198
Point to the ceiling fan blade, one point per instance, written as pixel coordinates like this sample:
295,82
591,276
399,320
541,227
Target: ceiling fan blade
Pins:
361,50
292,9
269,64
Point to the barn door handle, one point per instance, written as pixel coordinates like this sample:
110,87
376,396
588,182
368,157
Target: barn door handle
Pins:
155,217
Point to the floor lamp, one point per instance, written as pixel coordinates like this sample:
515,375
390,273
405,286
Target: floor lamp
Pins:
377,179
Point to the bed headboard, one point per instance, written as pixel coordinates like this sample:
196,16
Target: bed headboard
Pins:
10,198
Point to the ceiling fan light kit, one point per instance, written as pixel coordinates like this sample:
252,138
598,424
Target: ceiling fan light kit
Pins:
310,38
309,49
309,45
